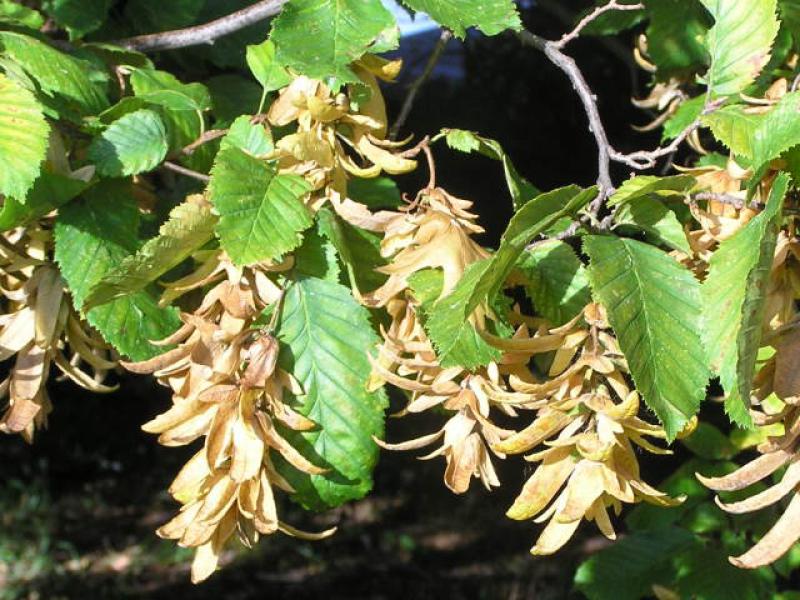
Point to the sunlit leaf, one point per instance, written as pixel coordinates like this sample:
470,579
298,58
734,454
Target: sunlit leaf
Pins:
265,68
320,38
23,139
491,16
251,137
643,185
454,336
18,14
448,325
654,306
739,43
759,137
733,302
190,226
556,280
325,336
261,213
78,84
93,235
133,144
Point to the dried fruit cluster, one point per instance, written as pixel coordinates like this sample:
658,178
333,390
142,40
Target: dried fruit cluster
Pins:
38,328
227,387
573,378
228,390
338,138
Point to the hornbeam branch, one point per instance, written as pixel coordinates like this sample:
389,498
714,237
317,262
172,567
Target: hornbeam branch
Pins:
643,159
589,101
204,34
575,33
606,154
729,199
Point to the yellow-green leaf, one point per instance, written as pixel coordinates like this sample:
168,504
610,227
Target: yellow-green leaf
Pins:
739,43
23,139
261,212
189,227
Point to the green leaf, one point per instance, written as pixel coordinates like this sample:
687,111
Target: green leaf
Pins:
682,482
253,138
734,128
675,36
463,140
320,38
17,14
317,257
125,106
189,227
790,18
325,336
490,16
739,43
132,144
627,569
688,112
733,302
448,327
521,189
708,442
78,17
651,216
77,83
759,137
23,139
113,55
93,235
261,212
535,217
643,185
265,68
705,573
556,280
49,192
456,341
183,128
375,193
358,249
164,89
654,306
426,285
181,107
